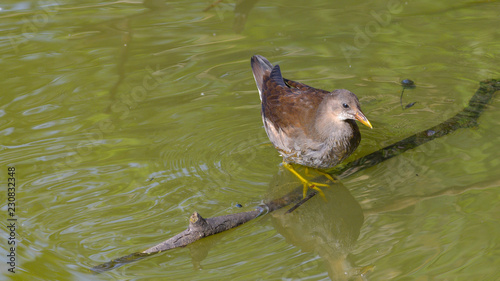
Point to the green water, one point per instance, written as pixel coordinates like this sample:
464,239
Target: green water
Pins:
121,121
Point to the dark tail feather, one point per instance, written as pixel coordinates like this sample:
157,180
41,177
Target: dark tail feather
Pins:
260,67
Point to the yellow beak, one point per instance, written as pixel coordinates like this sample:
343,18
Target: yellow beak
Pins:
362,118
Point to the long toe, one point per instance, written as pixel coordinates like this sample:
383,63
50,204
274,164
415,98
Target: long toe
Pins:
319,191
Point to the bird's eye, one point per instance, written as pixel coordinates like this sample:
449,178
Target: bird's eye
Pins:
345,105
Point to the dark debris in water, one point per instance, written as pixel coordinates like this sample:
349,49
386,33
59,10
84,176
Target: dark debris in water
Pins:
407,84
410,104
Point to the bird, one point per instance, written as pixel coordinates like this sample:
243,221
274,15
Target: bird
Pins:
310,127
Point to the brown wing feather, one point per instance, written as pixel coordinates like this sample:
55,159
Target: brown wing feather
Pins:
303,87
286,108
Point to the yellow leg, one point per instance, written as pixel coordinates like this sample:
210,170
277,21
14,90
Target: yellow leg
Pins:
307,184
328,176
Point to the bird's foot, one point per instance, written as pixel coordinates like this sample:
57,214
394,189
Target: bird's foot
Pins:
307,184
313,185
327,175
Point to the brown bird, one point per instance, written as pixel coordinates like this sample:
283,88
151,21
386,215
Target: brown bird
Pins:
310,127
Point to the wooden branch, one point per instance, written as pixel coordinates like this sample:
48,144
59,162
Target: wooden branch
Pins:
200,227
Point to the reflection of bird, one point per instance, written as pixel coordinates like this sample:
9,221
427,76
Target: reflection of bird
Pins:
332,237
311,127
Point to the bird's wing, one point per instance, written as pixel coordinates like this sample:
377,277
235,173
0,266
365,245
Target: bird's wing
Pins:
303,87
288,108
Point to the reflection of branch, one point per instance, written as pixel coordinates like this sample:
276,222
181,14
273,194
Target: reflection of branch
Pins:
241,11
212,5
125,29
200,227
123,57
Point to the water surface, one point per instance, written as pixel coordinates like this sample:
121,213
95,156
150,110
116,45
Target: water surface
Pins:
122,119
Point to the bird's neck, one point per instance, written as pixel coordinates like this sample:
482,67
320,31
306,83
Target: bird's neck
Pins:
322,118
328,127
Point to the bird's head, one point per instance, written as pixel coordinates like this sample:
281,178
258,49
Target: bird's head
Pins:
344,105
